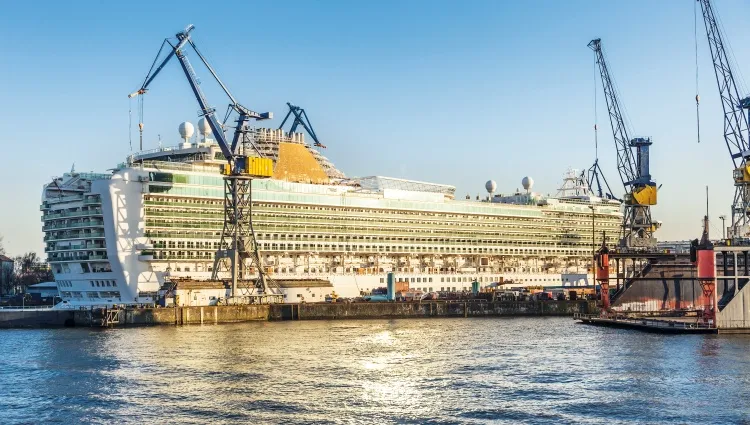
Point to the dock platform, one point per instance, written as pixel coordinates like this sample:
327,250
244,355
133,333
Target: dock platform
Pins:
662,325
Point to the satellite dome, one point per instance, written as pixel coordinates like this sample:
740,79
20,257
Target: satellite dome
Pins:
490,186
203,127
527,183
186,130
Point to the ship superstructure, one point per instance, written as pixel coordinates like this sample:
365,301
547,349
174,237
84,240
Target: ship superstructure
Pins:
118,238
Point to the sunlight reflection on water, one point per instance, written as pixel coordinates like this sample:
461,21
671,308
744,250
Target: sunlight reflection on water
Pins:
531,370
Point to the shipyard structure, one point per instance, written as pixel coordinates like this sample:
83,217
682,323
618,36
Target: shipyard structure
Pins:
156,221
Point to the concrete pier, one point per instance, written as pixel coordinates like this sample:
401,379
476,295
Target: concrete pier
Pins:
307,311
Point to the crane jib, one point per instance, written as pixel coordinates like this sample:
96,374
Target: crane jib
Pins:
633,166
736,126
238,164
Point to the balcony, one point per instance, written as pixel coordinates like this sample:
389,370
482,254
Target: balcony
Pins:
55,259
91,223
143,246
64,214
74,247
73,236
54,201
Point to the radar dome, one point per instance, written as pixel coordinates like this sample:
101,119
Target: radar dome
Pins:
203,127
186,130
490,186
527,183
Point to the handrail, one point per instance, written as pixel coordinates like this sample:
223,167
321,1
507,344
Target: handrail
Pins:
27,307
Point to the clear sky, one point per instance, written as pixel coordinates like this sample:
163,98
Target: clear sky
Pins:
450,92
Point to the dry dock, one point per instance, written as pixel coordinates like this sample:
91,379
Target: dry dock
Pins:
275,312
670,286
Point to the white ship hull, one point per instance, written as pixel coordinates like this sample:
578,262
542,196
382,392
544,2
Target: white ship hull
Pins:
116,239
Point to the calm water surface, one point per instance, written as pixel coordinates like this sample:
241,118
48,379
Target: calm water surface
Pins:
436,371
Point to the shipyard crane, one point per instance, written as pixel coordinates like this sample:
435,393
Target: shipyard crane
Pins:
300,118
238,251
633,167
735,124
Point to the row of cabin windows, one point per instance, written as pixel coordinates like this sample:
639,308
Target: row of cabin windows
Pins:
583,217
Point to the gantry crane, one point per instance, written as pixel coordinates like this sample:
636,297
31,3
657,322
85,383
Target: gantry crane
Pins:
238,251
735,124
633,166
300,118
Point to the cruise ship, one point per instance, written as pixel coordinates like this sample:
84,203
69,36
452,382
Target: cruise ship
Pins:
121,237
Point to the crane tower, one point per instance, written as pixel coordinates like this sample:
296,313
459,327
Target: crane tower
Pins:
735,124
238,251
633,166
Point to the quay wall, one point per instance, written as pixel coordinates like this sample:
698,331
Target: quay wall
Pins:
470,308
308,311
33,318
195,315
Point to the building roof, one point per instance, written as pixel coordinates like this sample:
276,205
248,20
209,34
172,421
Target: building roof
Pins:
379,183
4,259
303,283
189,284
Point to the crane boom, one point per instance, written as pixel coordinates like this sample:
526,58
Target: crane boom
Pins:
300,118
625,158
735,122
228,149
632,165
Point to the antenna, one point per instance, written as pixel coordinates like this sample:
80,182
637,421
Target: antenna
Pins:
705,241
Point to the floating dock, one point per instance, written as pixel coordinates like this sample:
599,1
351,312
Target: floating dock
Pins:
669,286
663,326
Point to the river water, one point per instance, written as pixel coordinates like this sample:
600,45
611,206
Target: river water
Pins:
432,371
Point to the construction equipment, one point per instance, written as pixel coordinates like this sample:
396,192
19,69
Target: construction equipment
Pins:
300,118
594,177
633,166
238,251
735,124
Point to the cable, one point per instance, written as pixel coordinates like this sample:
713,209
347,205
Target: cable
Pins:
596,116
130,123
154,63
697,92
140,120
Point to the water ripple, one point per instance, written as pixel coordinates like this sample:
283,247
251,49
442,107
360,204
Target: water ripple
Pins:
435,371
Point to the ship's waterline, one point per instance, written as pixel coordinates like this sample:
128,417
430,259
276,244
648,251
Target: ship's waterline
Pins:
116,238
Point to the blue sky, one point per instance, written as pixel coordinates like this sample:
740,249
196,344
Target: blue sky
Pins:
451,92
